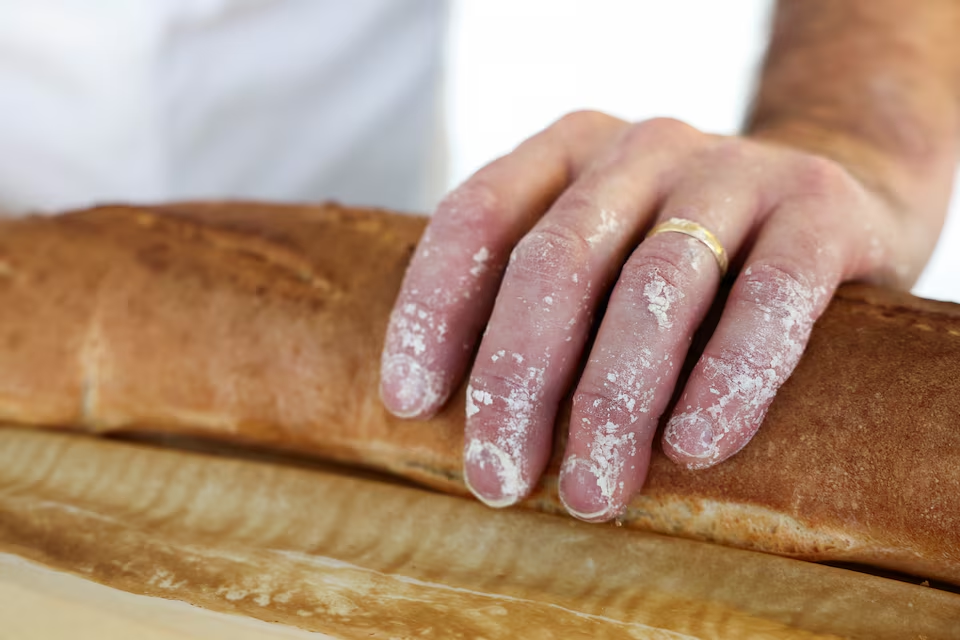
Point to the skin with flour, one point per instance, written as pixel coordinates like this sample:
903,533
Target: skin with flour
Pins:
843,173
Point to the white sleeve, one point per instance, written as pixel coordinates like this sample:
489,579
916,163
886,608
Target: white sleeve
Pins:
107,100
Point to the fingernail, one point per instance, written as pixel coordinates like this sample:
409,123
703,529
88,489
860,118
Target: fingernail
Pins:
492,475
691,435
581,493
407,388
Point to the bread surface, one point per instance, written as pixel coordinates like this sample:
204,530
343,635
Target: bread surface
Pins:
262,325
356,559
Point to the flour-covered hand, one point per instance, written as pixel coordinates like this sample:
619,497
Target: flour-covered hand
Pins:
530,247
845,173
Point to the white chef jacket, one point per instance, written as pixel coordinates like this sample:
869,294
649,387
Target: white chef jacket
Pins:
146,100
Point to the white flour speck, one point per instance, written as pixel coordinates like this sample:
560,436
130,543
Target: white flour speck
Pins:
610,450
480,259
472,409
660,295
507,447
609,224
475,396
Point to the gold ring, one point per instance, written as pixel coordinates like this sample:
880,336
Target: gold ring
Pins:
698,231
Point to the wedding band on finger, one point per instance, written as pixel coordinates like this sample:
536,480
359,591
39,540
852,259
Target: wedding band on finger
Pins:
698,231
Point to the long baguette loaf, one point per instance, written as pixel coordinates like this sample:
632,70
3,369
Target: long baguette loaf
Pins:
262,325
357,559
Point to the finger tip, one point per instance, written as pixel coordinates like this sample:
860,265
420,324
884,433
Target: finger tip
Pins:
491,475
689,441
408,413
490,498
581,493
682,458
408,389
604,515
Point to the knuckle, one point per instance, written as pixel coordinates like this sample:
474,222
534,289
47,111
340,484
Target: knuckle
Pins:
731,150
582,120
780,285
475,202
780,272
642,267
550,251
591,395
821,177
497,385
579,200
722,367
658,131
613,400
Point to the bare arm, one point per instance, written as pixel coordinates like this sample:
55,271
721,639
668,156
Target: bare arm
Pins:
875,85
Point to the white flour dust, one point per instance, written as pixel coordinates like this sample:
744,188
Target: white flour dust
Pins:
610,451
475,396
661,295
515,412
419,325
610,224
629,388
480,259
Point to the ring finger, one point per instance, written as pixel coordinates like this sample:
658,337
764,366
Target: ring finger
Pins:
661,297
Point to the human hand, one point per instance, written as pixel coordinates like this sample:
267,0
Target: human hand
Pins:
529,249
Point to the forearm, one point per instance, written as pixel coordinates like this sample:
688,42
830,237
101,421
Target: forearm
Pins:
872,84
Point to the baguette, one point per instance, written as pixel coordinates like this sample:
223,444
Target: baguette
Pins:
307,548
262,325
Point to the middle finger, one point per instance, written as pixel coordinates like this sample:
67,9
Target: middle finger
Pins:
540,322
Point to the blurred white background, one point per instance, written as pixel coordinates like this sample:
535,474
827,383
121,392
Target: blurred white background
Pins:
516,66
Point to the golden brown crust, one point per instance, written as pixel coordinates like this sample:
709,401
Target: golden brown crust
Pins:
858,457
262,324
